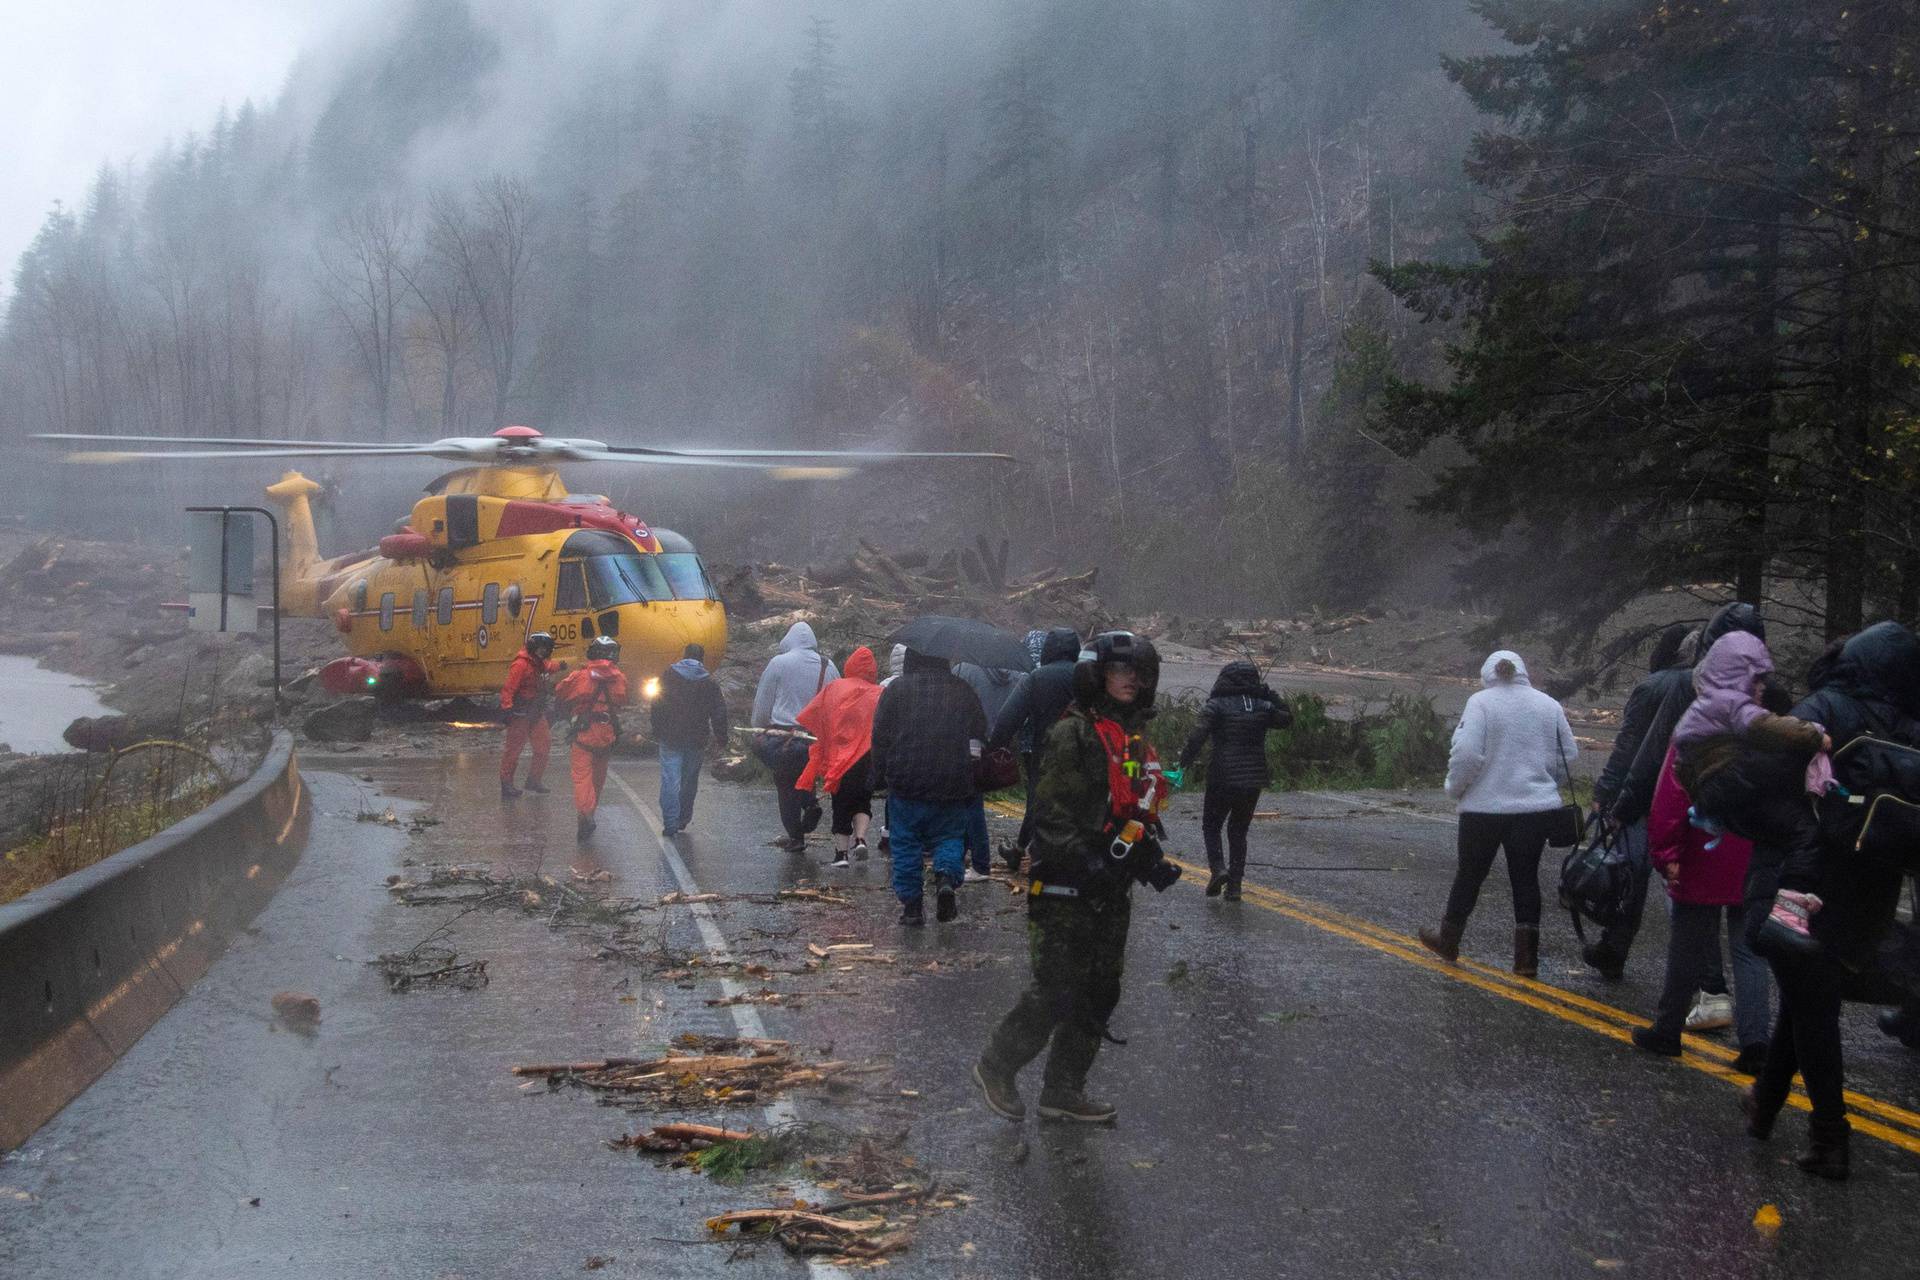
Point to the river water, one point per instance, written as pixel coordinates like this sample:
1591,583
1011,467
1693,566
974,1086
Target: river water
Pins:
36,704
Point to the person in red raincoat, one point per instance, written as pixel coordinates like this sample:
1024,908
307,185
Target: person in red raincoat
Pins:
524,698
840,718
592,696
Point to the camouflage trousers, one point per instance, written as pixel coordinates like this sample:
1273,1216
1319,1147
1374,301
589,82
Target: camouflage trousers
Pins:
1079,952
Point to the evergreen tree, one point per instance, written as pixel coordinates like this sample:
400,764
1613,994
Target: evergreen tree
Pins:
1661,376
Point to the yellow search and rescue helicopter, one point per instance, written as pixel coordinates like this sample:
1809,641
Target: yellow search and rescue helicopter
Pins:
497,550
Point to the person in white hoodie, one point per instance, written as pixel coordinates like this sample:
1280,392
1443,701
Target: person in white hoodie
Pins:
797,672
1511,747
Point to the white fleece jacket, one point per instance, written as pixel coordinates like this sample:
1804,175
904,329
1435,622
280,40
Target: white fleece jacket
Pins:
1508,749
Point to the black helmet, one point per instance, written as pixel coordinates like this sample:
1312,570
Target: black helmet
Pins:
1089,675
540,644
603,647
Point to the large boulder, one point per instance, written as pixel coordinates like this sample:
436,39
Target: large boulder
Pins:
101,733
349,720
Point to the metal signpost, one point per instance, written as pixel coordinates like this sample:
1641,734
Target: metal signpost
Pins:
220,575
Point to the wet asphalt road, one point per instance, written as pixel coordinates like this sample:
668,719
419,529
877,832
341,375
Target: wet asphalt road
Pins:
1303,1093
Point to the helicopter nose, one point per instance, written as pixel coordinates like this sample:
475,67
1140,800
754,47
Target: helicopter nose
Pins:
655,636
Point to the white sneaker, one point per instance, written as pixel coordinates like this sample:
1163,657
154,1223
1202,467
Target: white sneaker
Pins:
1710,1013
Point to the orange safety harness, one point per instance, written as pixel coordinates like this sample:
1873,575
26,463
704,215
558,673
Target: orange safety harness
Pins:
597,712
1136,787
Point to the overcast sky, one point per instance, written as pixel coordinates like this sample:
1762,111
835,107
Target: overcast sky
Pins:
93,80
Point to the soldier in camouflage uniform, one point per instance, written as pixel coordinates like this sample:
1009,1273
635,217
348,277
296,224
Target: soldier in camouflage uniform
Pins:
1078,910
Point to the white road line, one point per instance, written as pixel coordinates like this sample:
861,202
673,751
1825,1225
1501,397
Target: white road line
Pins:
745,1017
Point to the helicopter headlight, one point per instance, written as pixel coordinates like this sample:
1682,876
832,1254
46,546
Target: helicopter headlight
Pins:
651,689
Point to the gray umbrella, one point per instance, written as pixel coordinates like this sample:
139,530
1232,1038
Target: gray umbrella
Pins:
964,640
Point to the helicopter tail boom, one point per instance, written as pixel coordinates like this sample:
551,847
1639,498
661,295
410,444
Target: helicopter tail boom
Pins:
291,492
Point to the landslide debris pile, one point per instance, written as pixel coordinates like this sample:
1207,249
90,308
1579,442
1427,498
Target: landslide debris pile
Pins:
873,591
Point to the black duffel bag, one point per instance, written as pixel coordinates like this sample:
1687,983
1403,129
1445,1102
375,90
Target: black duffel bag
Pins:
1596,880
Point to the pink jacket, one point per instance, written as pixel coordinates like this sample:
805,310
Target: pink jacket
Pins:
1708,877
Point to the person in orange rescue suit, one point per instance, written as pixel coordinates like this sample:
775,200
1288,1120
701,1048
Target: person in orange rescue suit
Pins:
591,697
528,690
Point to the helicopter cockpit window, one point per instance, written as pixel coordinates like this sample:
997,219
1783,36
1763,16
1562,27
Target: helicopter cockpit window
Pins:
420,608
386,611
514,599
572,596
687,576
490,604
625,579
443,613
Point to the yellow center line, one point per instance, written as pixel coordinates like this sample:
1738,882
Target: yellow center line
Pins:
1595,1016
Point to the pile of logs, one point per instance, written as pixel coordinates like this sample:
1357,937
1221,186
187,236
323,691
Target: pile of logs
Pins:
886,589
715,1070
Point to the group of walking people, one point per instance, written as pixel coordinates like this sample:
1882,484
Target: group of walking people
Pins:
1718,782
1725,787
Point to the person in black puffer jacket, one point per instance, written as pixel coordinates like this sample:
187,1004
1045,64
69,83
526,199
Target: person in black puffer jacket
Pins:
1236,719
1036,704
1870,687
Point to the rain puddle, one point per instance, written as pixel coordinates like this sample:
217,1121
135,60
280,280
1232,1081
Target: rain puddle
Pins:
36,705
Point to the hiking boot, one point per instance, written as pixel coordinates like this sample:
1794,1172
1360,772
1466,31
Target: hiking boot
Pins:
1001,1093
1827,1154
507,790
1011,854
585,828
1903,1024
1759,1122
537,788
1751,1059
1653,1042
1215,883
1071,1104
913,913
1710,1012
1444,942
946,903
859,851
1611,967
1232,892
810,819
1526,950
792,844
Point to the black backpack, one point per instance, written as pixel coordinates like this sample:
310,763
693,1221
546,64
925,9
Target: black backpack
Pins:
1878,818
1597,880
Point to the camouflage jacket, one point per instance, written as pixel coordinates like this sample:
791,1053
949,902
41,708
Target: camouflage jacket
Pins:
1071,801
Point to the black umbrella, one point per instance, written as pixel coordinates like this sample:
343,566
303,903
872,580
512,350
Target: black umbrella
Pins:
964,640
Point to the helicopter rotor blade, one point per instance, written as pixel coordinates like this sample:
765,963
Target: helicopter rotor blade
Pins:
782,464
220,442
135,455
851,457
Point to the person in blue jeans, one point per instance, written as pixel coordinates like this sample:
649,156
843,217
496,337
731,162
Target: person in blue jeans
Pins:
927,733
688,709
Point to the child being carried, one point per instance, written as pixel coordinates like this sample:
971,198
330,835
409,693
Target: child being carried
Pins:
1752,771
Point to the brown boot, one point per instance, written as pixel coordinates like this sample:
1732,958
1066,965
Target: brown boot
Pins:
1526,950
1446,942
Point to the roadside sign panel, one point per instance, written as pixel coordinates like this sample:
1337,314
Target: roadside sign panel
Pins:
220,573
